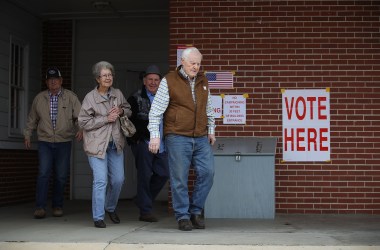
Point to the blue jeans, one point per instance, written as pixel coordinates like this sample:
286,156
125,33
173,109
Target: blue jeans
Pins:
108,178
152,175
53,158
184,152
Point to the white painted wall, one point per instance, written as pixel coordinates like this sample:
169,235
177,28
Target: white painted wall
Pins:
23,25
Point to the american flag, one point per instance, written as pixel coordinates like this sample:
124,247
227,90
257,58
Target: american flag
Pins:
220,80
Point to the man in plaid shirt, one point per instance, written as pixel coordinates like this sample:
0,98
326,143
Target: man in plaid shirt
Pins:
54,114
183,100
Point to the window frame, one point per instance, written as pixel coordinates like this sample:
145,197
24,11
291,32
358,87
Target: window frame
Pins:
18,86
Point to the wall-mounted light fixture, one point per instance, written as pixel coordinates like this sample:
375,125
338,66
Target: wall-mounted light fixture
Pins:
101,5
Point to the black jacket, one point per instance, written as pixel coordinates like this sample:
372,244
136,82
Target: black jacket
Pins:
140,106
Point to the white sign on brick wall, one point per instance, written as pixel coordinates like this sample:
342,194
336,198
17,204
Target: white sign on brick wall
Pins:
234,109
217,105
180,49
306,125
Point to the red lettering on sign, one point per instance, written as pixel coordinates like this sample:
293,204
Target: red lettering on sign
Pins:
289,139
321,107
217,110
323,139
300,107
311,99
314,138
312,135
300,138
289,109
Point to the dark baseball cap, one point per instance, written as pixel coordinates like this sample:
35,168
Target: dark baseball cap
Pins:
152,69
53,72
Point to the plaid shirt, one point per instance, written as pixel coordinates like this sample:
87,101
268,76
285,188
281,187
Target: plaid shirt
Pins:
54,107
161,102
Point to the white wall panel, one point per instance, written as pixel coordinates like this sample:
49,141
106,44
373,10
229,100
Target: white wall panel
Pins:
20,24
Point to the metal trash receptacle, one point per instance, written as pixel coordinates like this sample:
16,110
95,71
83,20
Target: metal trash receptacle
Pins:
244,178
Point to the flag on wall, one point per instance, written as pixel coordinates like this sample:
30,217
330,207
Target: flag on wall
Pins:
220,80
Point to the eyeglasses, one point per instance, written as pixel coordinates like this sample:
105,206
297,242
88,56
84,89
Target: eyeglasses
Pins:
106,76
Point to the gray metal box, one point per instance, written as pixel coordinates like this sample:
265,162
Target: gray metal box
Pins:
244,178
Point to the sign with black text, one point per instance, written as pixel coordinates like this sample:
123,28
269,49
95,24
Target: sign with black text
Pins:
234,109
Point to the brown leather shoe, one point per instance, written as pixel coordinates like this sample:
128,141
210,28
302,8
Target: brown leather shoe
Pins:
148,218
39,213
57,212
185,225
113,216
100,224
198,221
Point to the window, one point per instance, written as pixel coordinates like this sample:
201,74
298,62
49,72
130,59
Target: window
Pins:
17,86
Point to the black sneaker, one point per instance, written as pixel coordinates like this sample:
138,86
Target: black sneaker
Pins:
185,225
100,224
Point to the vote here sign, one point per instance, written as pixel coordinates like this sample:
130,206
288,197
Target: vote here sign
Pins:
306,125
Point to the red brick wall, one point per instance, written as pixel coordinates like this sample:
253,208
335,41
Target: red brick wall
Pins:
19,170
57,49
274,45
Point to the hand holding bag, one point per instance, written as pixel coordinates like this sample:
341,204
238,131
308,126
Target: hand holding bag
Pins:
127,126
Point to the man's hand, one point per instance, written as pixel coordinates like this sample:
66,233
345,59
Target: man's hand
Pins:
27,143
154,145
211,139
79,135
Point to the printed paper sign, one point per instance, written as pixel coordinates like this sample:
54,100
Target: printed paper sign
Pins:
234,109
217,104
306,125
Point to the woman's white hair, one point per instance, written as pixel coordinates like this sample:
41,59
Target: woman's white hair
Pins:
97,68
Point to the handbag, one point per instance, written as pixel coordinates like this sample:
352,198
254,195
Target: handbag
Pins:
127,126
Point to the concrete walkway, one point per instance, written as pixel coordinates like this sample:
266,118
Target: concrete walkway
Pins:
75,230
